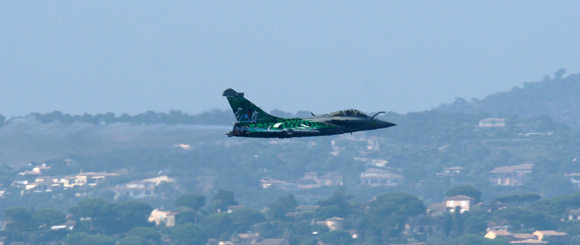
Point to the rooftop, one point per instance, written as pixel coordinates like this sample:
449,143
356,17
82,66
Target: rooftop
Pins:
270,242
511,169
459,198
551,233
528,241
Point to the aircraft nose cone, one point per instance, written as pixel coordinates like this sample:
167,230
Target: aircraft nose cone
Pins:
384,124
388,124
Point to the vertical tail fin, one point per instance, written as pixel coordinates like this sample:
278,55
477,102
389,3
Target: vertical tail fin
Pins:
245,110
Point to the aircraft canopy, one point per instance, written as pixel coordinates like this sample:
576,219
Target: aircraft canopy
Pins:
348,113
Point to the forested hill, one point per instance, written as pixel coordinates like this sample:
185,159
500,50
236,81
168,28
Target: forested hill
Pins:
556,97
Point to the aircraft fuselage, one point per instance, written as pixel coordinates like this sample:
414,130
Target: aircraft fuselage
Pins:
254,122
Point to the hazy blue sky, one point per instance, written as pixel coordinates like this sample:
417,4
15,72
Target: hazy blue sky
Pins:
134,56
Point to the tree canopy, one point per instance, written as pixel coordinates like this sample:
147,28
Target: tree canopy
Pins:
222,200
188,234
194,201
48,217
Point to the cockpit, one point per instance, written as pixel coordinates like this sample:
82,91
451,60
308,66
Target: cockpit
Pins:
348,113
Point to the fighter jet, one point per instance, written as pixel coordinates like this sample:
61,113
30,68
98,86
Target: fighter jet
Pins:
254,122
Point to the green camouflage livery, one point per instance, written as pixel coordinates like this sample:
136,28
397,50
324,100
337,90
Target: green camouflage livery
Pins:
255,122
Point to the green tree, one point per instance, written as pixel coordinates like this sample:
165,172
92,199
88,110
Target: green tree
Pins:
53,235
76,238
475,225
19,217
48,217
545,206
326,212
147,233
284,205
522,218
517,200
216,224
185,215
336,205
244,218
194,201
133,240
525,199
556,184
98,210
98,239
572,227
131,214
447,223
457,223
575,240
465,190
388,213
337,238
188,234
222,200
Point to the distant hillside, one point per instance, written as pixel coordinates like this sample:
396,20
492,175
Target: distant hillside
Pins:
557,98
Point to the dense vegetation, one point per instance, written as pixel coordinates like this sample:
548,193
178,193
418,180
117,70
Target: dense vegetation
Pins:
378,221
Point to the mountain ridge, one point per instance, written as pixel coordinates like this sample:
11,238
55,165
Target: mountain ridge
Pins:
555,97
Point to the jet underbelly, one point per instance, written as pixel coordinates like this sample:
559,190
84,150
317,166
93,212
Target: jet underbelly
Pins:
274,132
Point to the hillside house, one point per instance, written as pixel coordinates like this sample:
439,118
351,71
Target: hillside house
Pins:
248,238
333,224
552,236
135,189
525,238
282,184
38,170
163,217
141,188
91,178
69,225
379,177
464,202
453,170
50,183
281,241
373,162
516,238
510,175
498,234
39,185
424,225
574,178
450,172
492,123
437,209
312,180
574,214
498,225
